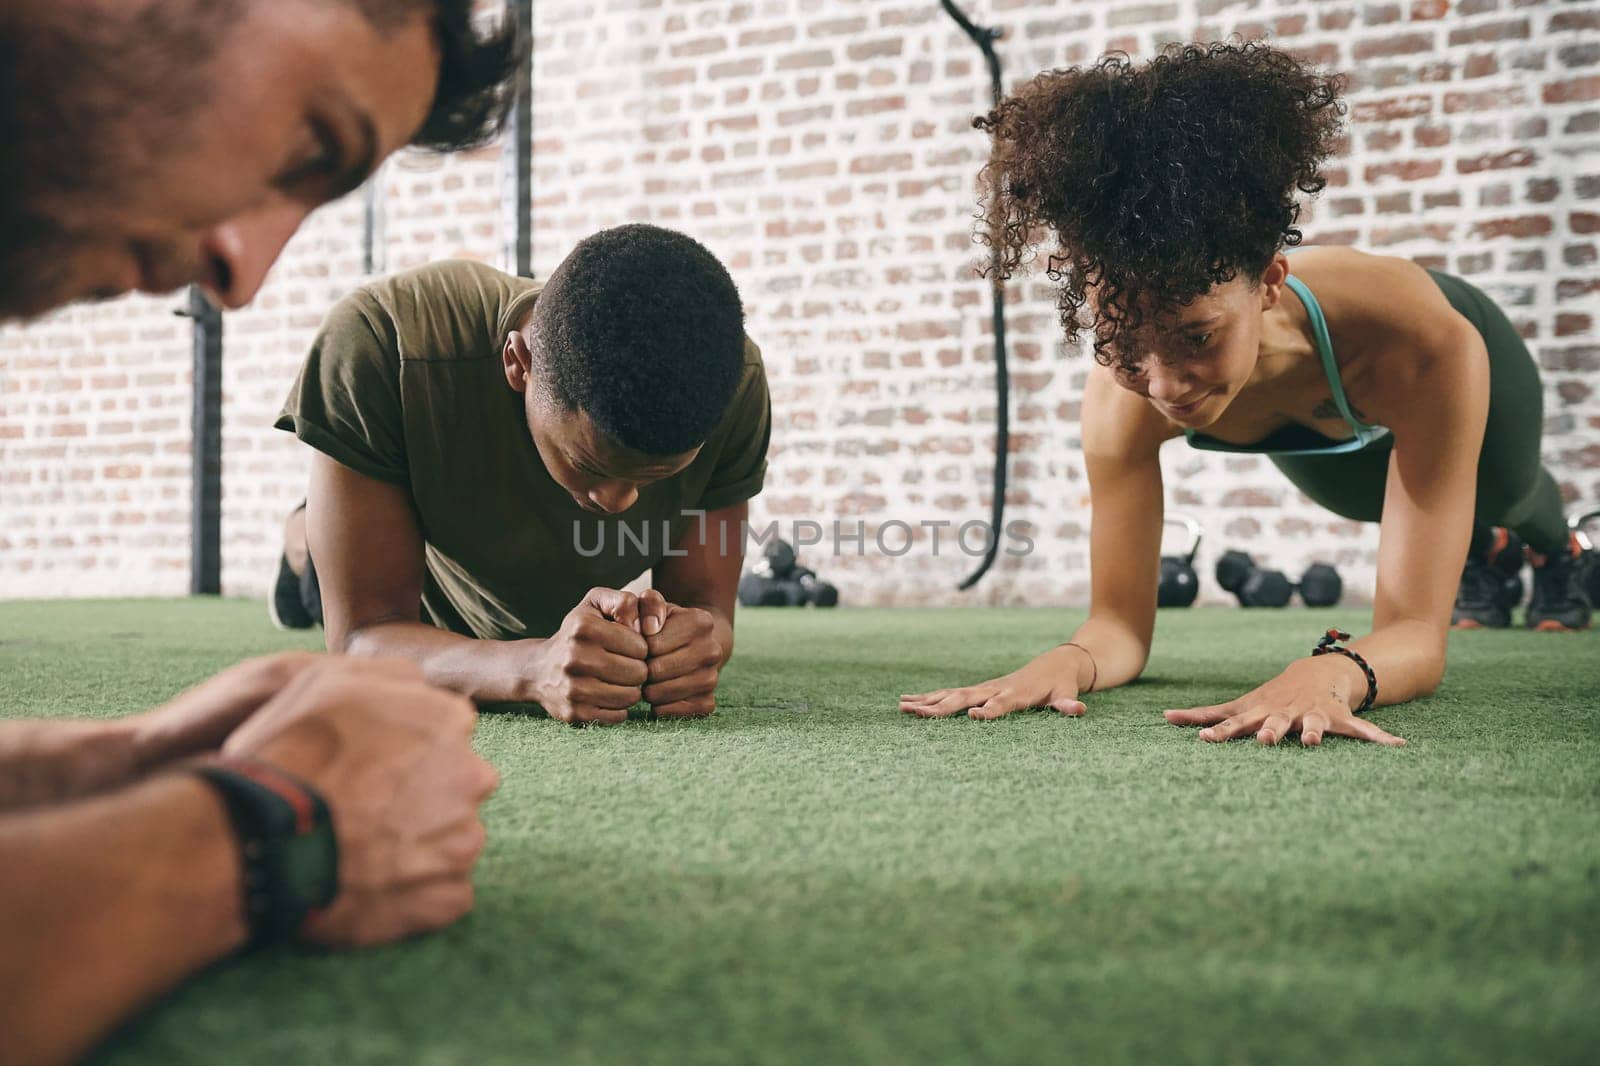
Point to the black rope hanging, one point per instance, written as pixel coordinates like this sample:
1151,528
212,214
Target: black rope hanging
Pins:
984,37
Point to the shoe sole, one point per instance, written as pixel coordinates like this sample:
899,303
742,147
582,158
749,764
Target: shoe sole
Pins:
1550,625
1467,623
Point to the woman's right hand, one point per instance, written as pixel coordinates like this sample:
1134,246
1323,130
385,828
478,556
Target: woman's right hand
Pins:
1050,680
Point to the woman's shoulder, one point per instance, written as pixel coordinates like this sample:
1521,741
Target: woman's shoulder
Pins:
1391,327
1367,298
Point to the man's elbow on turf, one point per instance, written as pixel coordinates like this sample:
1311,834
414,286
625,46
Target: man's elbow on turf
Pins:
364,639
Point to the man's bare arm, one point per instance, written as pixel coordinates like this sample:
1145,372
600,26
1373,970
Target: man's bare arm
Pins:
106,904
368,550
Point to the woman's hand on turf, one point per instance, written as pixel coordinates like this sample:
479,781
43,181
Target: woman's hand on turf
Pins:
50,761
1050,680
593,669
685,657
1312,697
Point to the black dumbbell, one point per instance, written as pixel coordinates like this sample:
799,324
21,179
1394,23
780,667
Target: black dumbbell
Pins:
814,590
763,590
777,580
1320,586
1179,584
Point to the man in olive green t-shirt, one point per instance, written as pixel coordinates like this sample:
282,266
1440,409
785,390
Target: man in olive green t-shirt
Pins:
501,457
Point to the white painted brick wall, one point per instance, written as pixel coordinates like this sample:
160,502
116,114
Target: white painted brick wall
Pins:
823,148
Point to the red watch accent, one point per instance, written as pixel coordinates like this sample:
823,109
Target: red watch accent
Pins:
285,787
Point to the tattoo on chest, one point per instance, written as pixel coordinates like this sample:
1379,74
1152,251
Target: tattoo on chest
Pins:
1329,410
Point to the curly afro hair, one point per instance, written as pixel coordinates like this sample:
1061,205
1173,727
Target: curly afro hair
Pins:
641,329
1158,181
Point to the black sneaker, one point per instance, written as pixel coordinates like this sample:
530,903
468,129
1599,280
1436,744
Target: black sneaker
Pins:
1481,597
1559,604
286,607
287,604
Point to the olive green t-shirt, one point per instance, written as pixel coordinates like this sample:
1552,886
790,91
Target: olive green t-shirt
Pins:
405,384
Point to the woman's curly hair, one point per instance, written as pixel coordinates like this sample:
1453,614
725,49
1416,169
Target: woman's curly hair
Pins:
1158,181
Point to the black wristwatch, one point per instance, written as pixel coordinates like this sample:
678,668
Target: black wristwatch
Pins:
287,849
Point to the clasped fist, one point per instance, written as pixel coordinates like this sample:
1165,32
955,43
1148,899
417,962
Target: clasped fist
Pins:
616,649
393,758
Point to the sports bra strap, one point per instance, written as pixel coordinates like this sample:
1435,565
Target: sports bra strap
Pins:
1330,367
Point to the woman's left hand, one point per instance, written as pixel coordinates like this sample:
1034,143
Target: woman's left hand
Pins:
1311,697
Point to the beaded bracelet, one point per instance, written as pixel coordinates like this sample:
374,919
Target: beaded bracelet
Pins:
1326,646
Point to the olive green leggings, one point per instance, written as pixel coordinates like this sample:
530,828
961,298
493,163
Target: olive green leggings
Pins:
1514,488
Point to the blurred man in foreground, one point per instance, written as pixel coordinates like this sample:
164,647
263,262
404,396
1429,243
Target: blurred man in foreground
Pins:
146,146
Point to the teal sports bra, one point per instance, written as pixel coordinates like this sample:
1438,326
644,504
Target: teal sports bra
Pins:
1302,440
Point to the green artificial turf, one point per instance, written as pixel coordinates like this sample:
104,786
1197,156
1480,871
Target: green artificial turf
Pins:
811,877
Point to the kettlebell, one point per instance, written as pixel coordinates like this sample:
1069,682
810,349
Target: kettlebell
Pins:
1179,584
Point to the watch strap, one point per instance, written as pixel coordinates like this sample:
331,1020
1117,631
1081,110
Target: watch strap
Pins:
287,850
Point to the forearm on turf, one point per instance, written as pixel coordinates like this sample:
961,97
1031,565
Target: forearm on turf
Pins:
1406,656
1117,651
106,904
490,671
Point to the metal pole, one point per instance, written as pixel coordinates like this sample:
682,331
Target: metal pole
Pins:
205,556
519,254
372,236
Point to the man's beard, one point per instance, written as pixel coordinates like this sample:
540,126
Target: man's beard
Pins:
85,98
35,270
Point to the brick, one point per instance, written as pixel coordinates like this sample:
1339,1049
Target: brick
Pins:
1574,21
1579,55
1523,226
1123,14
1408,170
1569,324
736,68
880,164
1573,392
817,57
766,37
1432,231
881,49
1394,44
1431,136
1484,33
1582,122
698,47
1488,100
1582,358
1516,157
1576,90
1542,190
1394,108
